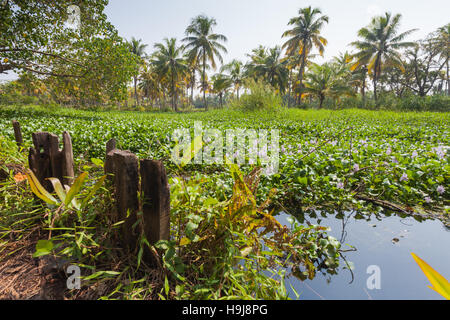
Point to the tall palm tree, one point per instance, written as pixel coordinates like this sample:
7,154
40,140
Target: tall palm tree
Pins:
193,67
236,73
379,46
204,45
168,59
137,48
269,65
442,41
150,84
326,81
305,35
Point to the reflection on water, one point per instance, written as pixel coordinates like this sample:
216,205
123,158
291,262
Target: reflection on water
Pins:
386,242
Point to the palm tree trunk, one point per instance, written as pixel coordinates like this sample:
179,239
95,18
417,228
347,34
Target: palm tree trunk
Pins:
375,87
135,91
204,79
192,87
376,73
363,88
321,98
174,104
448,80
300,77
290,87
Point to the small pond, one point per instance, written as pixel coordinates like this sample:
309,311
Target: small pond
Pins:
386,242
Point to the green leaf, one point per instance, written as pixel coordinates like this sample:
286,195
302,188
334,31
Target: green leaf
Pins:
75,189
43,247
439,283
94,189
58,188
184,241
39,190
97,162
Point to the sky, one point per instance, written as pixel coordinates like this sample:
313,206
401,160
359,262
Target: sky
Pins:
249,23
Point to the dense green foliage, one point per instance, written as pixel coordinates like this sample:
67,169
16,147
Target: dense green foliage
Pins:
387,145
330,160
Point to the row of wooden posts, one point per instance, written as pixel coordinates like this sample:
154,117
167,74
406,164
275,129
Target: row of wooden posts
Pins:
127,175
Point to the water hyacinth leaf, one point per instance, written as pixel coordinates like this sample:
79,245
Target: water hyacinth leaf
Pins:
438,282
39,190
97,162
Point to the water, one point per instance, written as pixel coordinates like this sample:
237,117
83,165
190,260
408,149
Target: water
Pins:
375,241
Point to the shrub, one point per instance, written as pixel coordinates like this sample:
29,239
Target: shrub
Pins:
261,96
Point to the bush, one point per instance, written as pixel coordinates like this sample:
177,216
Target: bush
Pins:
427,103
261,96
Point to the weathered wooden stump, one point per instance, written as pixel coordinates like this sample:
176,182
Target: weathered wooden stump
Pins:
156,200
17,134
109,163
155,195
126,184
47,160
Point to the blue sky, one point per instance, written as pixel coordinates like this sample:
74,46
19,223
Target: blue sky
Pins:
248,23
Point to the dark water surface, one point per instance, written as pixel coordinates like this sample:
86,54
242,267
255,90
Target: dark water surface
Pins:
376,244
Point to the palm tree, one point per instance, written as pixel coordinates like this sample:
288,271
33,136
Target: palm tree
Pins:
236,73
137,48
204,45
269,65
168,60
150,84
193,67
305,35
442,42
221,84
379,46
326,81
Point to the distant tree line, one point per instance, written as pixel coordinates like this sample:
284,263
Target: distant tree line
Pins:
96,66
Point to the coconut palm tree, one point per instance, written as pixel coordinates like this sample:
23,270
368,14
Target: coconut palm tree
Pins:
268,65
137,48
379,46
236,72
305,35
204,45
168,60
442,42
326,80
221,84
150,84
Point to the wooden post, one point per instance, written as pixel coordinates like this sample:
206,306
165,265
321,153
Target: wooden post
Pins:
17,133
156,200
68,173
48,161
109,163
126,182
